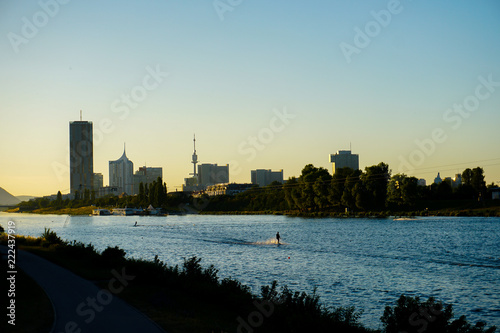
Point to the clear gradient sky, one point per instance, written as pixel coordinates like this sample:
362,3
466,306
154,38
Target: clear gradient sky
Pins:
389,77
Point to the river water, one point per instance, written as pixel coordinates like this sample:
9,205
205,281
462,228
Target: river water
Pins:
367,263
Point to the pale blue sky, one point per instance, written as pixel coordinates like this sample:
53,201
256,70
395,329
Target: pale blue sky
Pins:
226,78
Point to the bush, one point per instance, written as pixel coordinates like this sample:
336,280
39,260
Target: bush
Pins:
412,315
50,238
112,255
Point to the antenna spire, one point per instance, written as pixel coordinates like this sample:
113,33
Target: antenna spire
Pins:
80,115
195,157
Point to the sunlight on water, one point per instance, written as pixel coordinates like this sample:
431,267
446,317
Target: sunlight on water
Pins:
367,263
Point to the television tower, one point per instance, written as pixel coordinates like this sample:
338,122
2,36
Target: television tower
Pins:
195,157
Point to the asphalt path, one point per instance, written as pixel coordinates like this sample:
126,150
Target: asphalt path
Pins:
79,305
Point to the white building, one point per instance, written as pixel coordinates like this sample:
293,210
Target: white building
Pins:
121,174
438,179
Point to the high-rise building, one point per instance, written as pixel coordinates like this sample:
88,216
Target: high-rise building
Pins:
121,174
146,175
81,156
98,181
211,174
264,177
344,158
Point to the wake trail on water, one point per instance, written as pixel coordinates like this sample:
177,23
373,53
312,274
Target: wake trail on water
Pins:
270,241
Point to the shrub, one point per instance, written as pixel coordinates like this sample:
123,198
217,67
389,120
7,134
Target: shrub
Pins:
51,237
112,255
412,315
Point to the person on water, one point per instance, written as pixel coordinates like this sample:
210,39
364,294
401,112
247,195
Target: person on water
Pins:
135,225
278,237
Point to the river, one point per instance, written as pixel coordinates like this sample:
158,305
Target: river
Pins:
367,263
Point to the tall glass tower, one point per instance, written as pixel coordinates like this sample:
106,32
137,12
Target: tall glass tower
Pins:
81,156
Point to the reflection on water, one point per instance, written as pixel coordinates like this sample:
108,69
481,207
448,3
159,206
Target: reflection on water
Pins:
363,262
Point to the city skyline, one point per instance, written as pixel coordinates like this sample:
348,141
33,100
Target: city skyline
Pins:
264,86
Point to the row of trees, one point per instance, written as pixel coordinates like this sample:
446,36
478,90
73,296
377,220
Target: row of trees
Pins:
373,189
154,193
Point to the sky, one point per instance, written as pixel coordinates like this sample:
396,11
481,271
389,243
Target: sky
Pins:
263,84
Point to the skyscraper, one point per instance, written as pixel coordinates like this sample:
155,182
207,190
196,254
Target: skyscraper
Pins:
344,158
121,174
81,156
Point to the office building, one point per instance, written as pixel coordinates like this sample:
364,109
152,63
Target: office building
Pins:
98,181
146,175
344,158
227,189
263,177
121,174
211,174
81,156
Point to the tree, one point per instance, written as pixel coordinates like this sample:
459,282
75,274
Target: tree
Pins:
402,190
339,179
289,187
467,177
309,177
59,200
375,179
477,180
142,196
349,194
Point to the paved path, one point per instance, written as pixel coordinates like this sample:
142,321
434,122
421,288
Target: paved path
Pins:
79,305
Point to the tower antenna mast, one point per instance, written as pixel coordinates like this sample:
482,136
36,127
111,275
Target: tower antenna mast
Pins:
195,157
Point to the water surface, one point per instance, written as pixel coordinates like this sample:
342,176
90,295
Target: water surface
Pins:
367,263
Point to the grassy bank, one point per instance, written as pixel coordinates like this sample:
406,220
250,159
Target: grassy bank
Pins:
87,210
191,298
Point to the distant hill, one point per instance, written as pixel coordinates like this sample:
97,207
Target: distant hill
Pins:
25,197
7,199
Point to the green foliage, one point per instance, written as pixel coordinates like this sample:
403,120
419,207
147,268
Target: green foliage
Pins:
50,237
412,315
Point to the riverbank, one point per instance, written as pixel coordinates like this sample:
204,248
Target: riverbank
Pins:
487,211
86,210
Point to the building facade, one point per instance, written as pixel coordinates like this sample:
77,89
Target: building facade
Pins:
227,189
121,174
211,174
263,177
146,175
344,158
81,156
98,181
